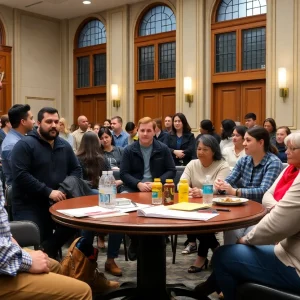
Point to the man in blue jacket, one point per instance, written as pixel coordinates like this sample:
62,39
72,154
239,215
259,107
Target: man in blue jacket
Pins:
40,161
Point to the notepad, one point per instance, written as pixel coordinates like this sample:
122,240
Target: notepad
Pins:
186,206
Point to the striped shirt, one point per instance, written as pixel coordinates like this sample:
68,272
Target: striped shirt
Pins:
254,181
12,258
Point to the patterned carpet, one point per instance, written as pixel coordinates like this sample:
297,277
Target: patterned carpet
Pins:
176,273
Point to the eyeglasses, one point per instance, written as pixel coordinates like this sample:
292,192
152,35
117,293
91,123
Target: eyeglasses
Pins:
292,149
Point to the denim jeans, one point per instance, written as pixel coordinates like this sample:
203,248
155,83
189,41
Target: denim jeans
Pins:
236,264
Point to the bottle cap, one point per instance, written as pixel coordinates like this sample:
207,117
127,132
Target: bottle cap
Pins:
104,172
169,180
109,172
156,179
183,180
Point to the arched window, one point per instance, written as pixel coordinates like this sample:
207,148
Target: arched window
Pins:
157,59
157,20
235,9
93,33
155,62
91,55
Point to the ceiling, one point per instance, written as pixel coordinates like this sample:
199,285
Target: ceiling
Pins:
65,9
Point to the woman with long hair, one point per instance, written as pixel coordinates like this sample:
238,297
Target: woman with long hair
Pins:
93,162
270,125
281,133
234,153
64,131
181,141
269,254
253,174
226,133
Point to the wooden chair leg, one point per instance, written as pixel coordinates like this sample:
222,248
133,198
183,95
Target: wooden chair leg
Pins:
125,248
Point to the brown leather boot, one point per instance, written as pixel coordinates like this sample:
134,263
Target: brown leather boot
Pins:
112,268
100,284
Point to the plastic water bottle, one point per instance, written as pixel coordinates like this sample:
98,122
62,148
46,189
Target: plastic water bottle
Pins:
208,190
102,191
111,190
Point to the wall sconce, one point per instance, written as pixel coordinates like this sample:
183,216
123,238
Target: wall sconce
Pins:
283,90
187,88
115,95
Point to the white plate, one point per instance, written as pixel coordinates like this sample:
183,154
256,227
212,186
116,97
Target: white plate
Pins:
237,201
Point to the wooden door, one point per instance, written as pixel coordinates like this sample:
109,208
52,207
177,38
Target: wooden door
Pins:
253,95
156,103
91,106
5,66
235,99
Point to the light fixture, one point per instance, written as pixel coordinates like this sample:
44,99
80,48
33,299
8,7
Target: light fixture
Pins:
86,2
115,95
283,90
187,88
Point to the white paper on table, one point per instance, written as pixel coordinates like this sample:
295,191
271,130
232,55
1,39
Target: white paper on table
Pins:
165,213
87,211
116,214
132,207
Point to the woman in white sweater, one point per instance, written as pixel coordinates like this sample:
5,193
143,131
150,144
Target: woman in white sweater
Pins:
275,259
209,162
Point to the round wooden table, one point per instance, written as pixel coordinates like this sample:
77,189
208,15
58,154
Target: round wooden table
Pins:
151,266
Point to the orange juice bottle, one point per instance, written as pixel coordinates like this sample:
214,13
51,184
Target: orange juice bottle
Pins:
156,192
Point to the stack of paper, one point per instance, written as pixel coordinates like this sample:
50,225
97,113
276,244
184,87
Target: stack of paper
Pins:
87,211
163,212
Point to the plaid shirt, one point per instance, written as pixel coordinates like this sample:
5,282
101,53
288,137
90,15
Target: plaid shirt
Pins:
255,180
12,258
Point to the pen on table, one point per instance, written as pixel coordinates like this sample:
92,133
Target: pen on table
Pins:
134,203
214,210
222,209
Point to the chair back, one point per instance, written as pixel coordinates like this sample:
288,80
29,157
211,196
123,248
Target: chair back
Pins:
26,233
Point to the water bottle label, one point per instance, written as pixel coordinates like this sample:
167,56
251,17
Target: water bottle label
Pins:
208,189
155,194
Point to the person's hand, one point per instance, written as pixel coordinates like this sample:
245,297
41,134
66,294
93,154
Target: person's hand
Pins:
242,240
179,153
40,262
228,188
195,192
57,196
119,182
219,183
144,186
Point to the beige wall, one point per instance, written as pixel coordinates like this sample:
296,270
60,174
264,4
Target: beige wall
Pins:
43,57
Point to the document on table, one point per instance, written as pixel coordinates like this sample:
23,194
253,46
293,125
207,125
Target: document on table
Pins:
88,211
165,213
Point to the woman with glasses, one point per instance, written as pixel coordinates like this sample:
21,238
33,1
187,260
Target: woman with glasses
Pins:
275,259
234,153
181,141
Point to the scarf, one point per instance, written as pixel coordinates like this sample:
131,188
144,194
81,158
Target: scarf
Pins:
285,182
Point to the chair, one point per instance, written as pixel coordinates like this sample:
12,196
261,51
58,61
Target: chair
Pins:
26,233
250,291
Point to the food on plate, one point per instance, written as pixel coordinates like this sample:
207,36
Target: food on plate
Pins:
230,200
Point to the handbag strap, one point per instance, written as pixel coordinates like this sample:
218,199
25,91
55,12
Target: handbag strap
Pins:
73,245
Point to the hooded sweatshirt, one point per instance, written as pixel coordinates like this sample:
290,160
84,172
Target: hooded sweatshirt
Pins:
37,169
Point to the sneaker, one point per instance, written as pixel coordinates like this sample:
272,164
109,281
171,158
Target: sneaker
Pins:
100,284
189,249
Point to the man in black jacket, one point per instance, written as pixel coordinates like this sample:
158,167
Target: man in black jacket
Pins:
145,160
40,162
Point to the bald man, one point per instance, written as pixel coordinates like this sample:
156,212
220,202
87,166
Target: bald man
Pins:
77,134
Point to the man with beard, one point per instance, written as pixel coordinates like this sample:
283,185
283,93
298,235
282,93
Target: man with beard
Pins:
40,162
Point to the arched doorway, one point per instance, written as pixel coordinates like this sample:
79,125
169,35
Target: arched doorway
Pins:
90,71
155,62
238,60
